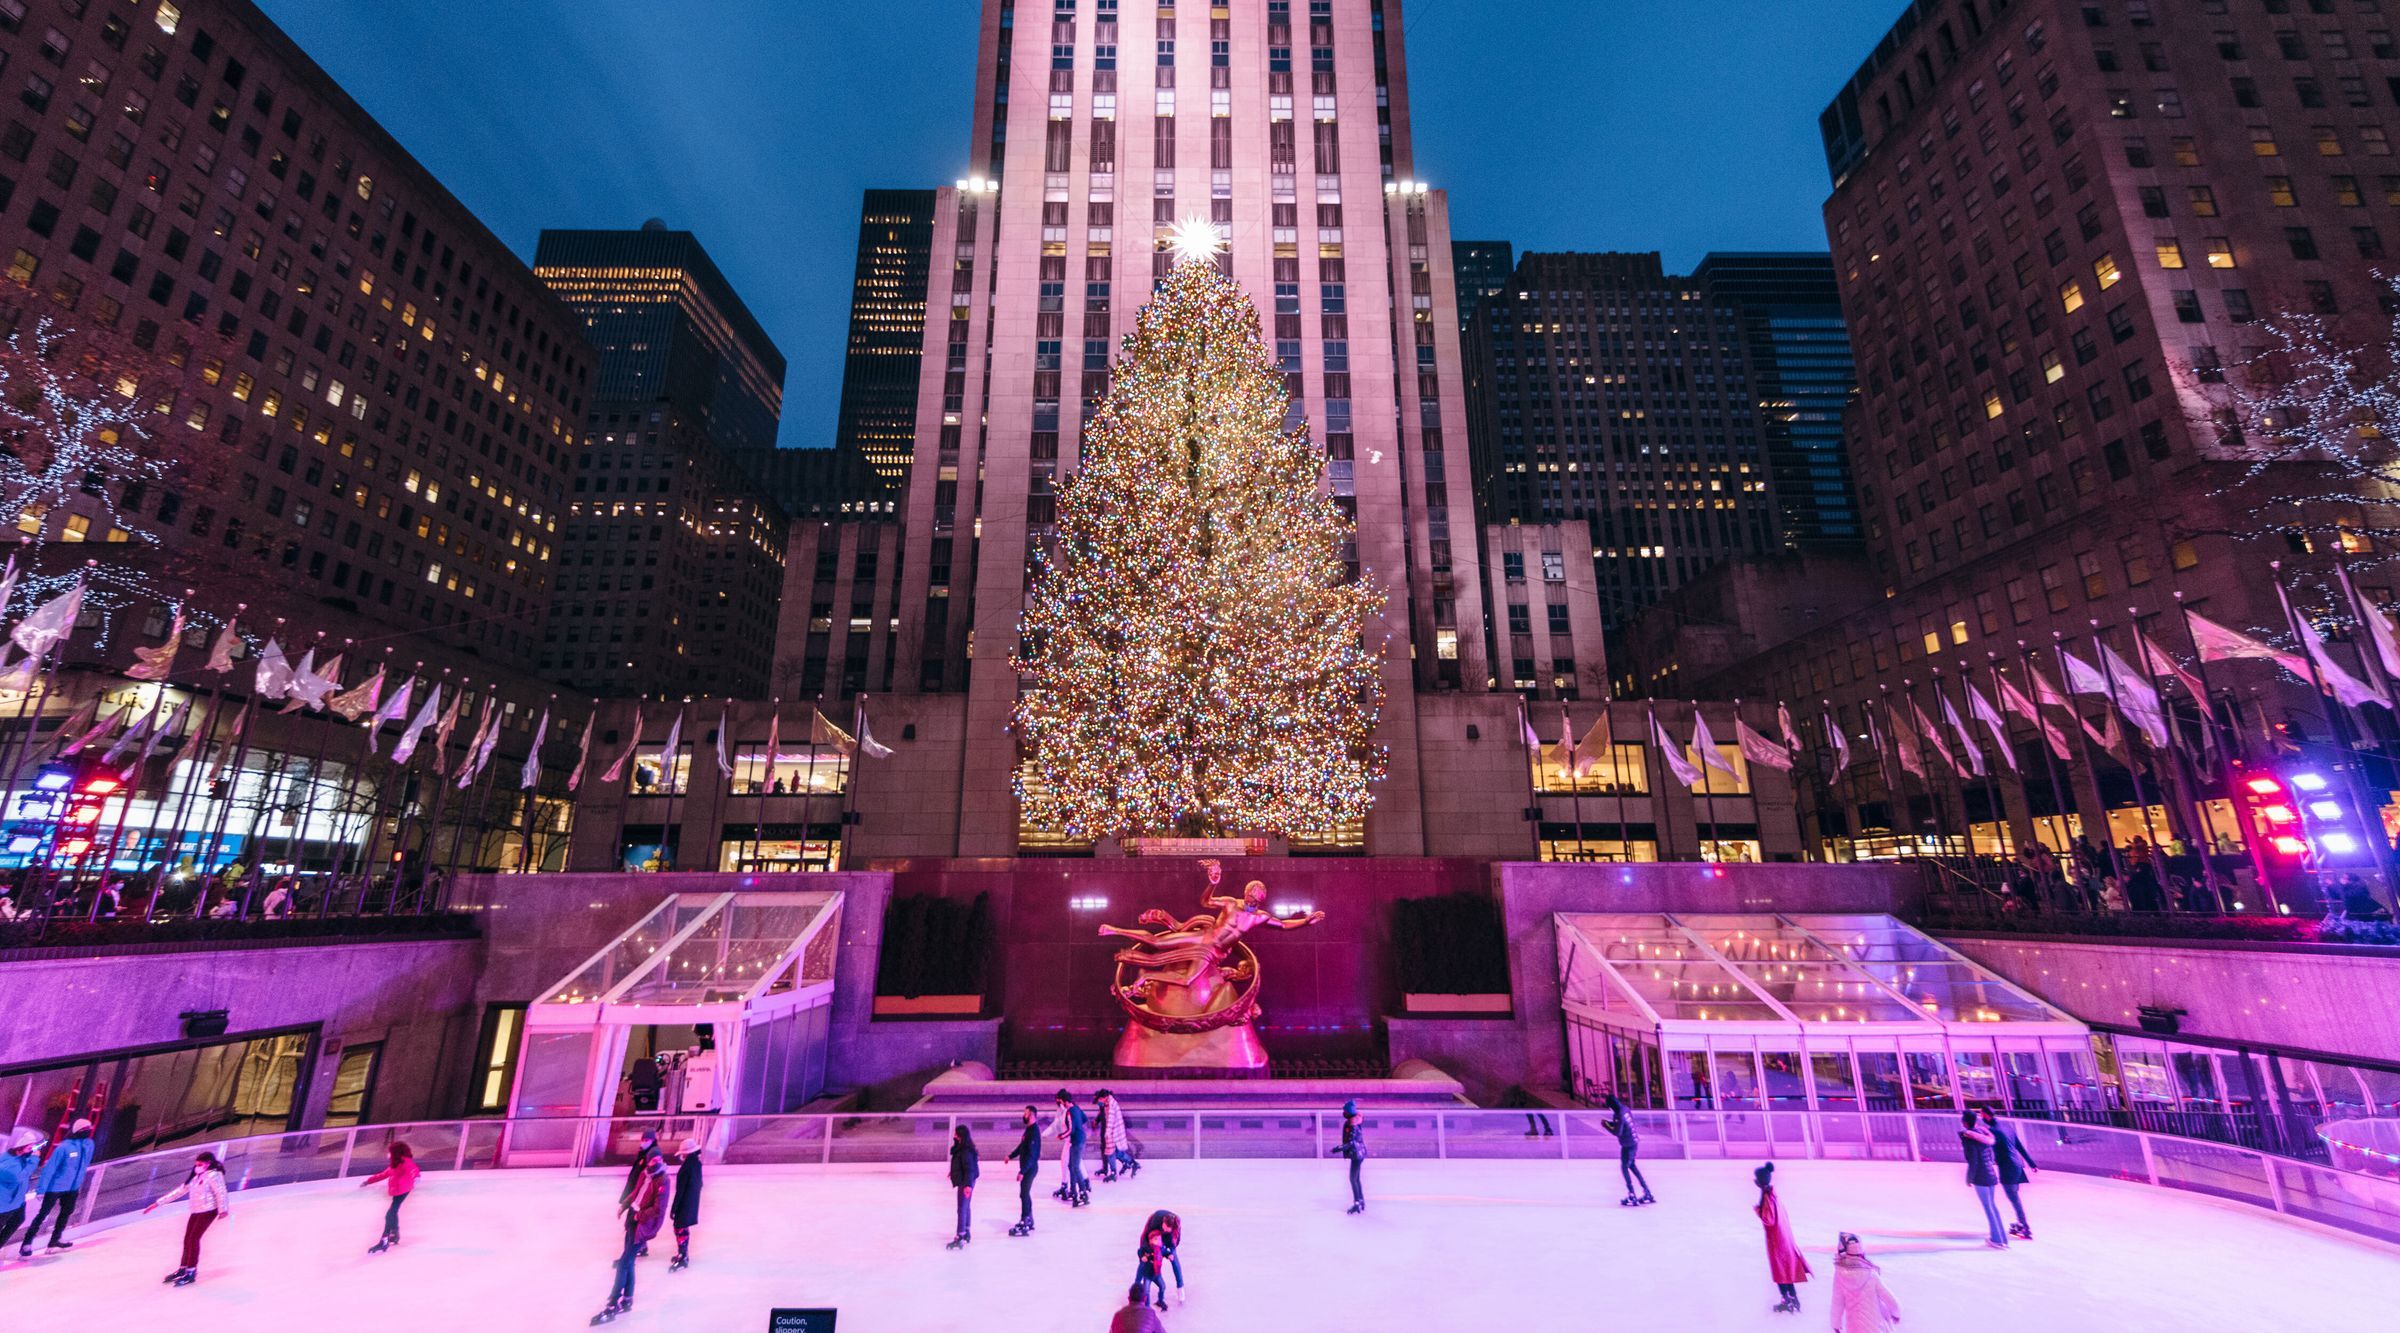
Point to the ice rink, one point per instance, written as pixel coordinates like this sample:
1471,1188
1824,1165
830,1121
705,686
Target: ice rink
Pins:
1445,1245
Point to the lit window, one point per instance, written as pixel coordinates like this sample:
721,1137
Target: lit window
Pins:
2053,369
2170,253
2106,268
2070,295
169,15
2220,252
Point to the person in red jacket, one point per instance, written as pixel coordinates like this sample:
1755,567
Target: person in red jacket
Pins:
1784,1262
398,1178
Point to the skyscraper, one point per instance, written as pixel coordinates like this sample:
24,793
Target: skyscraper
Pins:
671,565
1483,268
1097,129
1802,376
887,330
1610,393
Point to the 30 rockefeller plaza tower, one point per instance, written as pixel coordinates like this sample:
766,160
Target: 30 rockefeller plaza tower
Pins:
1098,127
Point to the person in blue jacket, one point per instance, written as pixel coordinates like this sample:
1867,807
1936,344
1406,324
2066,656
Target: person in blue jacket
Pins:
61,1183
17,1169
1074,1127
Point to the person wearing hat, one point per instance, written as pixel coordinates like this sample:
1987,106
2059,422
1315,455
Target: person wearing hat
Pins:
17,1170
60,1182
1354,1147
686,1213
1074,1127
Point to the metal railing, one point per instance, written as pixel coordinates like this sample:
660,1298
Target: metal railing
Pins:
2361,1204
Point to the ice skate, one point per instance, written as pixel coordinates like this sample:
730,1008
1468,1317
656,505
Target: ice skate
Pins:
68,1245
1356,1208
607,1313
172,1276
1021,1229
1788,1305
187,1277
1995,1245
1083,1197
2020,1231
380,1246
1647,1199
679,1263
1629,1202
956,1243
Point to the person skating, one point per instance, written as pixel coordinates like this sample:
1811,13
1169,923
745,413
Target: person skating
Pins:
61,1183
1162,1237
643,1154
686,1212
1861,1303
1074,1128
2016,1166
1620,1123
206,1203
398,1177
1136,1316
1028,1157
1983,1172
1785,1265
965,1167
642,1210
1354,1147
1116,1145
18,1168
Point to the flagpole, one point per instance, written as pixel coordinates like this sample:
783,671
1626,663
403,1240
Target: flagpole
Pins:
2195,814
2141,794
197,777
766,784
1663,825
1901,817
1566,721
533,793
2258,859
2370,655
405,827
295,847
1826,778
2083,740
1708,802
2336,715
349,801
2041,741
632,758
1608,714
671,765
858,751
808,798
374,810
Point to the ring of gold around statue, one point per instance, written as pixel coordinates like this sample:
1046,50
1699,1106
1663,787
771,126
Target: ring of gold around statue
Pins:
1241,974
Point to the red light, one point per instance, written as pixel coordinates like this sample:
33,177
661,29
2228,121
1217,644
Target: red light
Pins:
2264,786
76,846
2276,814
83,814
101,785
2290,846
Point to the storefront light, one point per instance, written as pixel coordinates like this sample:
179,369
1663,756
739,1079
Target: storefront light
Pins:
2340,844
2325,809
2309,781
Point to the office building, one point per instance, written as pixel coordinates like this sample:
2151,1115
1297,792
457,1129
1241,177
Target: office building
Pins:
878,416
1801,373
671,564
1483,267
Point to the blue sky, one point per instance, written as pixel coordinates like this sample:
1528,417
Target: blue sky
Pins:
1681,126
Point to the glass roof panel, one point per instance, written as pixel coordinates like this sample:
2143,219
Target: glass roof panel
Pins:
626,954
732,953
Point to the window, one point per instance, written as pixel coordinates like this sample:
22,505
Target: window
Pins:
2070,295
2187,306
2105,268
2262,142
2203,201
2095,583
2170,252
2220,252
2304,245
2279,192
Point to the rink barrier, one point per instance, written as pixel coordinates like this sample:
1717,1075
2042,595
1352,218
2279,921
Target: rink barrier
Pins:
2352,1202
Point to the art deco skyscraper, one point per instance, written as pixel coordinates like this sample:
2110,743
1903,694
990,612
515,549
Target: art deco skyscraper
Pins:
881,363
1097,128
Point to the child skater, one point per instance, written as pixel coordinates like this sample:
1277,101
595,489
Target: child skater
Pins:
206,1202
1620,1123
964,1168
1162,1236
686,1212
1861,1303
1784,1263
398,1176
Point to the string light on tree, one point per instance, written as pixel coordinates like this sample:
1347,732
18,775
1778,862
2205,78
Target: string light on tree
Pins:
1194,646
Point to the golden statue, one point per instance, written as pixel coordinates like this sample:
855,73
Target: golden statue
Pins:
1191,986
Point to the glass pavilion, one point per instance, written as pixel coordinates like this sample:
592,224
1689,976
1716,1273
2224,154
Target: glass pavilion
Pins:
753,971
1798,1013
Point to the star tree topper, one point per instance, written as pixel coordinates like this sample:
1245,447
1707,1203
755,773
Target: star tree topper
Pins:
1195,240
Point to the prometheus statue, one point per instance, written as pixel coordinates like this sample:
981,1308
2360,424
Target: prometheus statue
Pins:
1191,986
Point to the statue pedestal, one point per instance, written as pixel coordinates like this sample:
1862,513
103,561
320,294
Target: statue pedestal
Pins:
1233,1047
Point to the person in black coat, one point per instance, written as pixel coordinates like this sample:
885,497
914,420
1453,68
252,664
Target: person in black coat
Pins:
965,1166
686,1211
2015,1166
1620,1123
1028,1157
1354,1147
1983,1171
1074,1128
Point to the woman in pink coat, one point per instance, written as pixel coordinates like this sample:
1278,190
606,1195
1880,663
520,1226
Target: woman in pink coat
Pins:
1861,1303
1784,1262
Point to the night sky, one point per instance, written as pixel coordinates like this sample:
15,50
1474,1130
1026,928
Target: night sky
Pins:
1682,126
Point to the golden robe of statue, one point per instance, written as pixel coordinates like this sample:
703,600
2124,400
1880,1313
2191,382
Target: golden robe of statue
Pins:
1191,986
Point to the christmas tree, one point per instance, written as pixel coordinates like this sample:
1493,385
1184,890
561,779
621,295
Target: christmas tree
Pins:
1194,650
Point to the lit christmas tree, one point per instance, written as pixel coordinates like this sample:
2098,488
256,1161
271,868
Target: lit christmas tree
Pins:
1194,650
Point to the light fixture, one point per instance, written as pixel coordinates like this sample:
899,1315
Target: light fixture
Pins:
2309,781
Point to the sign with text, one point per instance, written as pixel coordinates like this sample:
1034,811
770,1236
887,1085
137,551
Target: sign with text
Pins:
800,1321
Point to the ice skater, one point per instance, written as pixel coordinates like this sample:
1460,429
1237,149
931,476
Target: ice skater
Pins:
1073,1127
1136,1316
1028,1157
686,1212
398,1177
642,1209
1620,1123
1983,1172
1861,1303
17,1171
1354,1147
1162,1236
61,1183
1116,1145
965,1166
206,1203
1784,1262
2008,1152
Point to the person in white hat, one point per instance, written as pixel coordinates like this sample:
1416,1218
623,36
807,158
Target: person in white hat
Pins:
17,1168
61,1184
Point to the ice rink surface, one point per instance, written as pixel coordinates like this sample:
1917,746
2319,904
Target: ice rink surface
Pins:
1444,1245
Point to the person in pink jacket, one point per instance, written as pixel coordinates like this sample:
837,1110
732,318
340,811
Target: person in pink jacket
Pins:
398,1178
1784,1262
1861,1303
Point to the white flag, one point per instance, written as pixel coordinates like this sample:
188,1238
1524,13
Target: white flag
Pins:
2137,698
670,751
616,771
532,772
2380,630
1992,722
154,663
50,622
2344,686
471,763
220,653
583,751
1958,727
724,727
1841,745
1704,745
1758,749
360,700
1791,734
81,727
2216,643
117,748
391,710
1671,754
416,725
274,678
867,744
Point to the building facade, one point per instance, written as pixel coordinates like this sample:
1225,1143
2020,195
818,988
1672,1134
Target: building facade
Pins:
1097,129
1611,393
880,363
2056,226
1546,631
1483,267
672,559
1802,374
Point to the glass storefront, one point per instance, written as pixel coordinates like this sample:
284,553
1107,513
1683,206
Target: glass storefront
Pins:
160,1097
